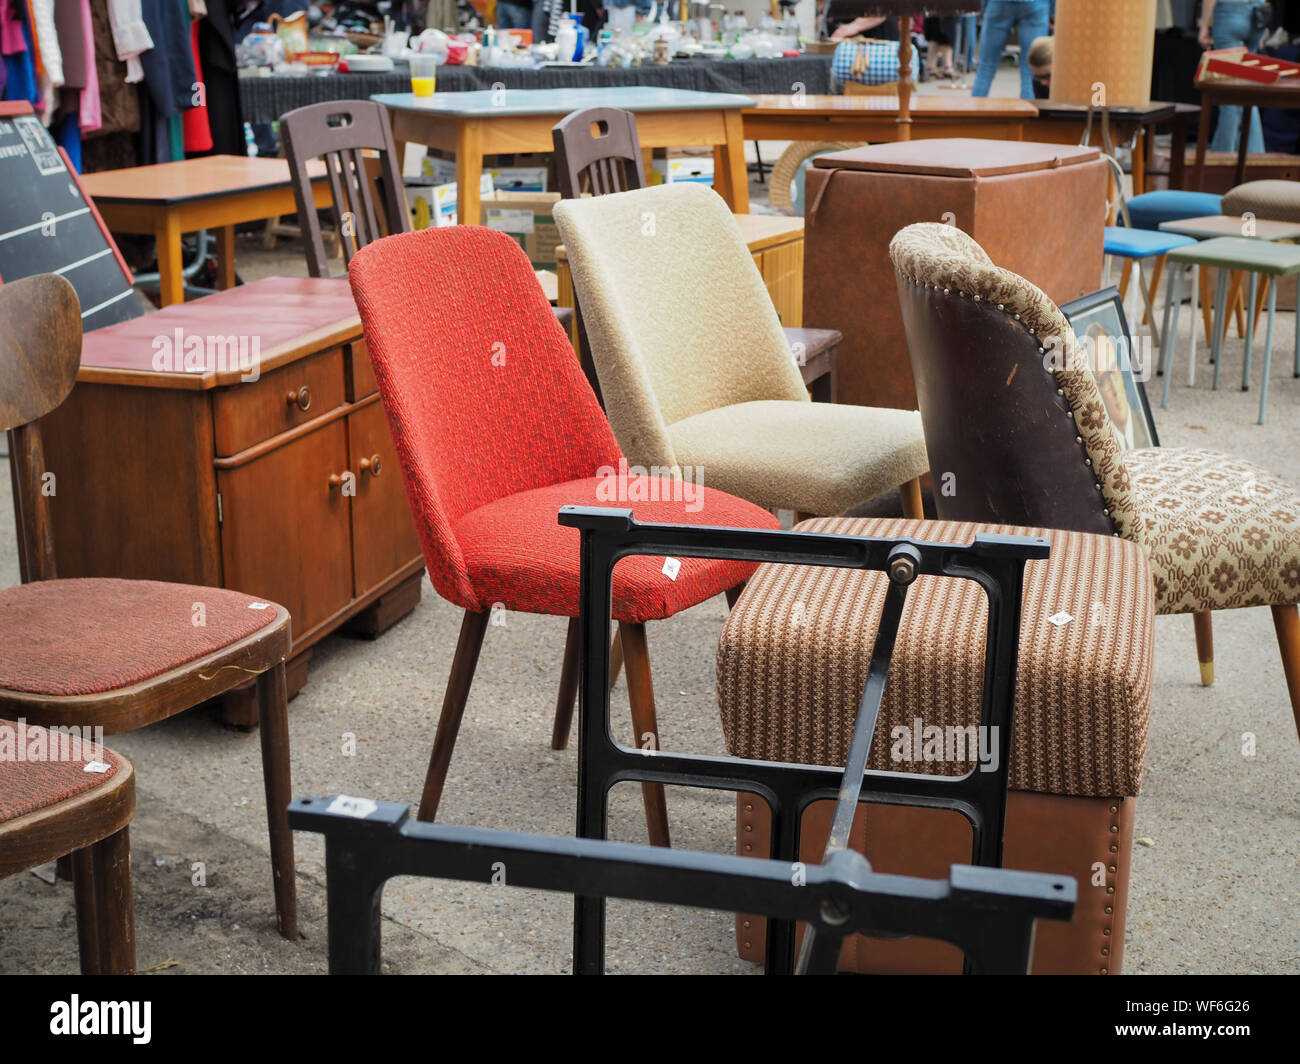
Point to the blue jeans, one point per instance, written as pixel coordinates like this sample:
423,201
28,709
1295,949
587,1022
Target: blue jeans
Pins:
1029,19
1232,29
514,16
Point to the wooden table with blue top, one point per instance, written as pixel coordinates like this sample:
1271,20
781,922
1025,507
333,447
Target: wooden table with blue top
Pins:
499,121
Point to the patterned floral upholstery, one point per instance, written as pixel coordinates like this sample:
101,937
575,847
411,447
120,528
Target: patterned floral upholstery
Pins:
1220,533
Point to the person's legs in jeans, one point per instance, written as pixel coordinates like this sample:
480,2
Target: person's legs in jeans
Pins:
1232,29
1031,24
995,30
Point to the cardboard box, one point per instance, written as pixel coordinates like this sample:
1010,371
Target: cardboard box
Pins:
433,204
694,168
519,173
526,216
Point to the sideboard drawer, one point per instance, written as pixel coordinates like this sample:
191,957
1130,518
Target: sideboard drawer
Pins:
245,414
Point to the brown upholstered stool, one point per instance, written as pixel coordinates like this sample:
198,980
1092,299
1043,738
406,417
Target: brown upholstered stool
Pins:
1275,200
792,661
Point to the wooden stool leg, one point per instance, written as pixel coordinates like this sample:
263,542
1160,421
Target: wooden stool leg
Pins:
615,657
83,888
646,729
273,721
568,695
1124,275
1286,621
1263,294
1204,624
114,904
911,496
472,629
1237,301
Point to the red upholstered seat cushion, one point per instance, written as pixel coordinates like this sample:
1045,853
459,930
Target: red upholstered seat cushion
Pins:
518,554
53,776
84,637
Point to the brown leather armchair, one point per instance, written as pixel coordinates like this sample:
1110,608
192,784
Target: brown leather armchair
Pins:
1017,433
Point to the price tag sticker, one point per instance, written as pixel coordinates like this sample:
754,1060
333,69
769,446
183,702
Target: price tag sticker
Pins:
357,807
96,766
1060,619
259,605
671,568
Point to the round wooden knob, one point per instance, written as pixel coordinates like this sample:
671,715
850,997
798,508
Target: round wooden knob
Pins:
301,398
371,465
336,481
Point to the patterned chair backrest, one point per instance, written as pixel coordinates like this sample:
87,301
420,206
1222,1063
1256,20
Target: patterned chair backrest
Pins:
678,317
483,395
1011,408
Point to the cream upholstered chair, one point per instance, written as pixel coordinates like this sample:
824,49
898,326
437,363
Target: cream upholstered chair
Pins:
695,370
1028,441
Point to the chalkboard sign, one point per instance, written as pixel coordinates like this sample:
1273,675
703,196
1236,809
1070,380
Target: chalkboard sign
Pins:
48,226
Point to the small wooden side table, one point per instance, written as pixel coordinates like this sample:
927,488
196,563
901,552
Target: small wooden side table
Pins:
212,192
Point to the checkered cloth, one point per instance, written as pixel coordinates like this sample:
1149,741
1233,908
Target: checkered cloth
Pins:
869,62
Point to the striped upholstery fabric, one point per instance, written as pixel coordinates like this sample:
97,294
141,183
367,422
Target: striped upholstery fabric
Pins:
793,658
88,636
29,785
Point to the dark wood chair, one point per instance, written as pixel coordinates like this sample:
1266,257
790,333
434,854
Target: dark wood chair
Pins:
57,806
109,653
339,132
597,151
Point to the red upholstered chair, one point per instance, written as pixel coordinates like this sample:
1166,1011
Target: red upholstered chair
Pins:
118,654
496,428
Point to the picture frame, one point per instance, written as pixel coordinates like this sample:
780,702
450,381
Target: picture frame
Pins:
1120,365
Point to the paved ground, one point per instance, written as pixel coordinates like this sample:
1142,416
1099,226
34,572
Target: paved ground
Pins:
1215,890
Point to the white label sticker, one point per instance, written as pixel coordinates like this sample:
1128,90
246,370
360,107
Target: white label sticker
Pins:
259,605
671,568
96,766
509,221
357,807
1060,619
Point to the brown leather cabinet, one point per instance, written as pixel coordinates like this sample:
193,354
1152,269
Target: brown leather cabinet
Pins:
284,486
1035,208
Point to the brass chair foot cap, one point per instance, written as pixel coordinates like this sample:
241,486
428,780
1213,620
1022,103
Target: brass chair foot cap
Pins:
1207,674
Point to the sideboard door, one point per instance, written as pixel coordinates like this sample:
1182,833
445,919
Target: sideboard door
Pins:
285,531
383,532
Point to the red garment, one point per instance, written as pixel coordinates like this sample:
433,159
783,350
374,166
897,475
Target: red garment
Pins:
194,122
496,428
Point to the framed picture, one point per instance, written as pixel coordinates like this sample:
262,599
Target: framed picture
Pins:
1119,364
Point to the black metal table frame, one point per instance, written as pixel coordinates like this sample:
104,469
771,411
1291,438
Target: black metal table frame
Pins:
988,912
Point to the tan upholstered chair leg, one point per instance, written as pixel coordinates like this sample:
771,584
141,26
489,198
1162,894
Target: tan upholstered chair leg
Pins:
1205,645
1286,619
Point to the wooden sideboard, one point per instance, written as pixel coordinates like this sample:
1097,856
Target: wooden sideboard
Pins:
238,441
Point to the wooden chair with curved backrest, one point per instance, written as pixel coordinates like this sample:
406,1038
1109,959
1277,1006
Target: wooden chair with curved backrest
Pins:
110,653
339,132
1014,417
597,151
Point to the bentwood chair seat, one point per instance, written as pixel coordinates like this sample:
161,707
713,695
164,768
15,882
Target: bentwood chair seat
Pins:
1219,532
79,801
695,370
496,429
120,654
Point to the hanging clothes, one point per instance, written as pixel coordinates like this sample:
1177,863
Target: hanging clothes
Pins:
221,78
130,36
198,133
20,63
91,114
169,65
114,145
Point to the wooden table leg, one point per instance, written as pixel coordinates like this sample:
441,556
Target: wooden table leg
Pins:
1241,148
1139,156
469,171
171,279
226,257
729,160
1202,142
1177,152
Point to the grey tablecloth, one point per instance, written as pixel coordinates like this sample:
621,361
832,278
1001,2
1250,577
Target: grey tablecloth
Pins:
266,99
